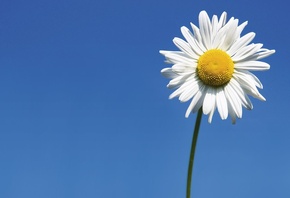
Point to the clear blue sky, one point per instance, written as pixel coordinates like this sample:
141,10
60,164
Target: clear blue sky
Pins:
84,111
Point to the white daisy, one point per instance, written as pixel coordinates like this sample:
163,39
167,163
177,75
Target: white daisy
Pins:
213,67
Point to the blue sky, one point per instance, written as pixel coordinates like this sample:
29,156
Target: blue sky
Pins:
84,111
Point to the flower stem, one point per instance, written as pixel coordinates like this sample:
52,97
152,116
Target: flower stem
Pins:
192,151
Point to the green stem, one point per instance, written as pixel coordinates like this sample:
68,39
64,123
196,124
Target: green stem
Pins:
192,151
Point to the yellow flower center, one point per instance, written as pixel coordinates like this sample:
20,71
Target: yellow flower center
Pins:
215,67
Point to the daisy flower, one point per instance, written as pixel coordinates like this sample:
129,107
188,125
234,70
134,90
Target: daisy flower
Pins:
213,67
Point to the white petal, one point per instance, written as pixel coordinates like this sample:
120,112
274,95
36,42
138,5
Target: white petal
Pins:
234,103
167,73
185,47
180,68
232,113
185,83
249,87
240,93
241,27
205,29
214,24
231,35
200,101
252,77
209,100
241,42
190,91
198,38
222,103
178,81
196,33
265,53
234,100
211,113
248,105
252,65
246,77
191,40
254,94
218,39
196,101
178,57
163,52
246,51
261,53
221,36
222,20
209,103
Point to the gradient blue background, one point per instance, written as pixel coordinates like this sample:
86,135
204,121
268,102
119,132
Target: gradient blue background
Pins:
84,111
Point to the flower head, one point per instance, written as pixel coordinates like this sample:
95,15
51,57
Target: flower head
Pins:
213,67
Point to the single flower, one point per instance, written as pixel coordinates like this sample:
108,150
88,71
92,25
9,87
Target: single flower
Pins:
213,67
